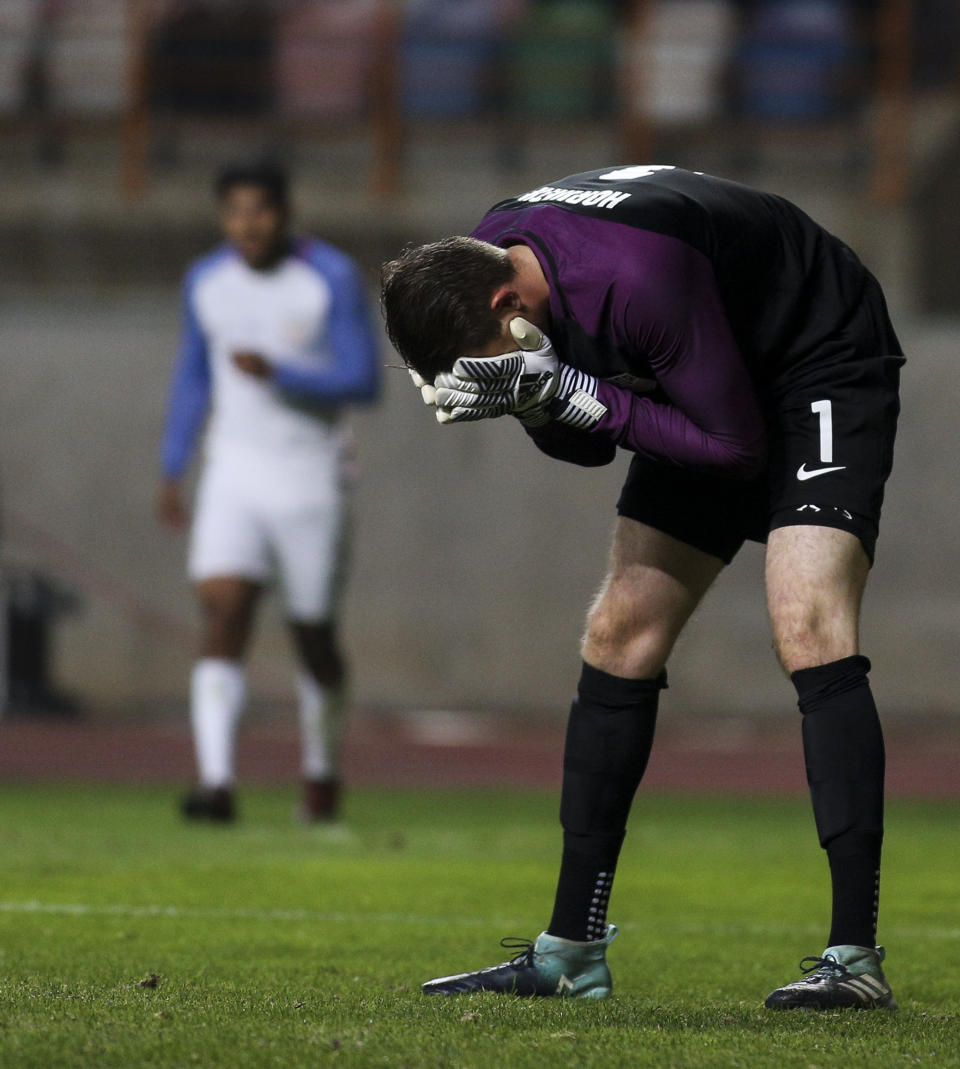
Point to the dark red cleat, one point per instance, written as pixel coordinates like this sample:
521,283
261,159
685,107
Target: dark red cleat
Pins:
321,800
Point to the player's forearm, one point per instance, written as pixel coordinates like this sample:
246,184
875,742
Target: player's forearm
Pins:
186,411
734,447
183,427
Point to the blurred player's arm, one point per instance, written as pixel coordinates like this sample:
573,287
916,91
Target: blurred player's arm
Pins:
353,375
187,409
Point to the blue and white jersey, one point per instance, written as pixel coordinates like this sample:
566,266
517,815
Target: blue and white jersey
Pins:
308,316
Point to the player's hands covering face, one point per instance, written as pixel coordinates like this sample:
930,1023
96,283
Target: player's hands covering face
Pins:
484,387
522,383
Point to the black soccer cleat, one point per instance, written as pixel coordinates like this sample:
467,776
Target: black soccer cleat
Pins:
214,804
551,967
843,977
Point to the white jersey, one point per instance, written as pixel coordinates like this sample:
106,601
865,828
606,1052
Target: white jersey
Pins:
282,315
270,496
308,317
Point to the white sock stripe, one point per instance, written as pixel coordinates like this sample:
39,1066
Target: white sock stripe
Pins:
217,697
321,723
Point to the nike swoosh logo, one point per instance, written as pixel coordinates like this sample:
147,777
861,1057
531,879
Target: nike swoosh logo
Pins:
803,474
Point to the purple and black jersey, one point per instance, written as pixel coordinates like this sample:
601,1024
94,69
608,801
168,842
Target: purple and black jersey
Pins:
702,305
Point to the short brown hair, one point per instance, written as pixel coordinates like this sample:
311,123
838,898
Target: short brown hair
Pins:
436,301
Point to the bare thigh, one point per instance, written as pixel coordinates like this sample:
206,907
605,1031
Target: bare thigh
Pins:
653,585
815,582
228,606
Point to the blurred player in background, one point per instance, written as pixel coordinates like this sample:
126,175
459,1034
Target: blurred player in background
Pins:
745,357
276,340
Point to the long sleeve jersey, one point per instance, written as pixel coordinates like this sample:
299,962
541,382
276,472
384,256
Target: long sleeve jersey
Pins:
308,316
700,305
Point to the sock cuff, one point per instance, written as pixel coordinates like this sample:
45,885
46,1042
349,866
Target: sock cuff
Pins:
825,681
307,681
607,689
862,843
219,668
601,846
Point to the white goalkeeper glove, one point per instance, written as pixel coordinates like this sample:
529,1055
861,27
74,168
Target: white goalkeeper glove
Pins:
427,390
531,384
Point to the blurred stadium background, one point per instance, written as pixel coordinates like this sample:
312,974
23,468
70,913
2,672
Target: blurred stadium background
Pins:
475,556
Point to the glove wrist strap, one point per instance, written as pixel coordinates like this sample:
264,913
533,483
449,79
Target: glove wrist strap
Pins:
575,402
582,410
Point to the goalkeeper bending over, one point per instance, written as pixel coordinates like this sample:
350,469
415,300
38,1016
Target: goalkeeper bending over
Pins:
744,356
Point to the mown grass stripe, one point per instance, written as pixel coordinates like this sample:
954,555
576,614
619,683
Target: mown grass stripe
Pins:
414,919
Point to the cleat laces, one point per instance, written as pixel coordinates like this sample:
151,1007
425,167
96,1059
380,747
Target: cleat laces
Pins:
524,948
822,969
524,957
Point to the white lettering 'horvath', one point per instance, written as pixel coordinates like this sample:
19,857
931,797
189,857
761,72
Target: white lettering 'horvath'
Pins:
589,198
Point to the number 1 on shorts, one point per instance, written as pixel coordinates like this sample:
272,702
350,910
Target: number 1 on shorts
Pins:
824,409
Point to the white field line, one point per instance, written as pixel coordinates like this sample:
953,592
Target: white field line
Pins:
80,909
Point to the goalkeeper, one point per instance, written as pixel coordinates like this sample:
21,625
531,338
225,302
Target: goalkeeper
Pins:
745,358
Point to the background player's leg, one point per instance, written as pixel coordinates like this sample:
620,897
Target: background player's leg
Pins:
320,686
218,686
228,606
654,584
815,582
308,543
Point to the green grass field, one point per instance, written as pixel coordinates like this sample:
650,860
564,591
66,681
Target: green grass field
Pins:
272,944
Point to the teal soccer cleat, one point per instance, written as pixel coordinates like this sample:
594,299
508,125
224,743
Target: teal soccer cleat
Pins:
843,977
551,967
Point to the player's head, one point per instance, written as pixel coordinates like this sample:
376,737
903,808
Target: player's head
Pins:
254,210
437,301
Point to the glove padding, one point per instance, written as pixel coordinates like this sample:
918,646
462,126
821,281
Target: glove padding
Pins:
489,386
531,384
427,390
522,383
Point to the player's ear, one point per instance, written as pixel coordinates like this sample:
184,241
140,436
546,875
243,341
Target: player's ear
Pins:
506,299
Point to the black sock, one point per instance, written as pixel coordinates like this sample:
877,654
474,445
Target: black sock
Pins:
843,747
609,736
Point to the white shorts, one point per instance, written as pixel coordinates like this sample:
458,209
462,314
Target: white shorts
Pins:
277,522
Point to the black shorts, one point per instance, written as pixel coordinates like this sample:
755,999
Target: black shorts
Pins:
830,452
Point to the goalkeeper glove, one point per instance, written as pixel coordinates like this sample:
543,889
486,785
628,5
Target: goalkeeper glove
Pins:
427,390
531,384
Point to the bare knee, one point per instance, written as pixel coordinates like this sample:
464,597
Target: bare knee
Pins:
815,581
626,641
804,639
655,583
227,607
319,651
